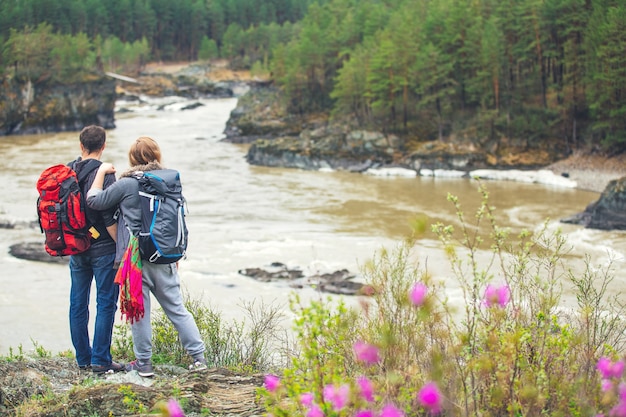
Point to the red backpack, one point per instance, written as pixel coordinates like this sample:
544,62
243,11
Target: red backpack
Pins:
61,211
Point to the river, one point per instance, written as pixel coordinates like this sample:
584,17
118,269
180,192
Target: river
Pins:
243,216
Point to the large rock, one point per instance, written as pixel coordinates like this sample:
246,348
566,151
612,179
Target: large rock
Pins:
259,114
35,251
337,282
30,108
608,212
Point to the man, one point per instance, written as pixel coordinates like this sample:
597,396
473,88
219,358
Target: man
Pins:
97,262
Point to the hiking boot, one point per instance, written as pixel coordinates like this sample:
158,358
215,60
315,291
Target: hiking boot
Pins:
84,367
107,369
198,365
143,368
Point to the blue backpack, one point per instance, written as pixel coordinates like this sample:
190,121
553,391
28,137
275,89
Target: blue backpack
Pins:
163,235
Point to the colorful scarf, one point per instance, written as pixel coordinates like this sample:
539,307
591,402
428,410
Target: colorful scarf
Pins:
128,277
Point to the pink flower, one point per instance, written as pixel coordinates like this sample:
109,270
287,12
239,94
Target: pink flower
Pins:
315,411
417,295
337,396
430,397
497,296
606,385
366,388
391,411
364,413
272,382
610,369
173,409
619,410
306,399
366,353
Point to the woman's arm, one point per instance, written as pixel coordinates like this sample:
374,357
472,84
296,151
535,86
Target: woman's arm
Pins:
99,199
98,181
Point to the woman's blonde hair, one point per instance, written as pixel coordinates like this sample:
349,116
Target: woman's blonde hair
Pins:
144,151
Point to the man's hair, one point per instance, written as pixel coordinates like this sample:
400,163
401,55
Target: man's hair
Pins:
143,151
92,138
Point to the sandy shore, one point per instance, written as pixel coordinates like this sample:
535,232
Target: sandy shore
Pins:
591,172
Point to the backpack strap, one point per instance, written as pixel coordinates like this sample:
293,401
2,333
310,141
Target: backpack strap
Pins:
88,167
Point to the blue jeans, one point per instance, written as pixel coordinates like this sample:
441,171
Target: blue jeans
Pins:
83,269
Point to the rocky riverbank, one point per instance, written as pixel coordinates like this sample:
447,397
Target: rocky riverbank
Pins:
48,387
591,172
30,108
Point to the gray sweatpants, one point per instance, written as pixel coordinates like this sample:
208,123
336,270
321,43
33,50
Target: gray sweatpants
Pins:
163,281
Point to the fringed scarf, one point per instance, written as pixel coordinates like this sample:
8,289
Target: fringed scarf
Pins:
128,277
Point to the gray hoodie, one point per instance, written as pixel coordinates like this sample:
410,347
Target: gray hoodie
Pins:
125,193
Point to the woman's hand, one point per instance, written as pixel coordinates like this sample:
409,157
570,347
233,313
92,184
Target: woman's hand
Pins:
107,168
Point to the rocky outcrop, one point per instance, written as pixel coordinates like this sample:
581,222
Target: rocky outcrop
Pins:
280,139
30,108
34,251
71,392
337,282
193,81
259,115
608,212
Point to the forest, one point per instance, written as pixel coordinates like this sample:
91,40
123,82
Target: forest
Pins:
547,71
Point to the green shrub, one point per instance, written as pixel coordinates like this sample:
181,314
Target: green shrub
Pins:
246,344
509,347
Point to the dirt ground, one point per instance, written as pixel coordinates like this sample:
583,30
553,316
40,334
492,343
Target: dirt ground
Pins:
591,172
55,386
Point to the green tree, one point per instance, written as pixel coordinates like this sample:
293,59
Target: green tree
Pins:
72,57
608,96
29,51
208,49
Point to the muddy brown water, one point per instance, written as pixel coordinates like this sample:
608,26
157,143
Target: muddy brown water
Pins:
243,216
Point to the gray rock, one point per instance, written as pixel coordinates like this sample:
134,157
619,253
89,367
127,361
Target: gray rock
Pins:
34,251
337,282
608,212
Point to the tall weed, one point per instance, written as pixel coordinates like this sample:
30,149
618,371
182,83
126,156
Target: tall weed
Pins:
509,347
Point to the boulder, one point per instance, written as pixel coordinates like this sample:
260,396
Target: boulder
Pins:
337,282
608,212
34,251
31,108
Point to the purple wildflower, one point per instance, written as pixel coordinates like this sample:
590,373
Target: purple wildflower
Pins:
337,396
417,295
497,296
173,409
430,397
306,399
391,411
366,388
364,413
610,369
272,382
365,352
315,411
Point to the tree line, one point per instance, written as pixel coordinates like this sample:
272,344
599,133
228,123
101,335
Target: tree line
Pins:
173,29
542,70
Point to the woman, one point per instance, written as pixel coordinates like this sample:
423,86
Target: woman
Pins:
161,280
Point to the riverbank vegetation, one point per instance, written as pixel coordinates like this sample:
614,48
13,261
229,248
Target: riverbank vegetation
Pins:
549,73
504,345
495,338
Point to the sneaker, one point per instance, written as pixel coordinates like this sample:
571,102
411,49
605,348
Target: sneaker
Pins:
107,369
198,365
84,367
143,368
